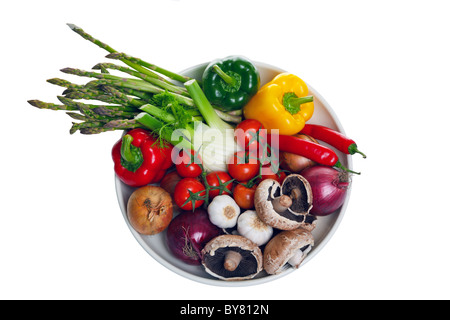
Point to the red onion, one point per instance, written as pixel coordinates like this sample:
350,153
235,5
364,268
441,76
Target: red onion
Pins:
188,233
329,188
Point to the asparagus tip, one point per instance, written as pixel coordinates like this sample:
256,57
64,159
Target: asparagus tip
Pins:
72,26
34,103
67,70
113,55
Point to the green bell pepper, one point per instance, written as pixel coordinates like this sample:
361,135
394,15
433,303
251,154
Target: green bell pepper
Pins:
230,82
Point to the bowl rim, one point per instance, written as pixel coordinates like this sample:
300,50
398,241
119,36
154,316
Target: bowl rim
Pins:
254,281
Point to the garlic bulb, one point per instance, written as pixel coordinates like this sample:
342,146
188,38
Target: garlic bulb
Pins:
253,228
223,211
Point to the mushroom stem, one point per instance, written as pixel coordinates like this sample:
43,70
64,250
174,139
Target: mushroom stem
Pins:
296,259
296,193
281,204
232,260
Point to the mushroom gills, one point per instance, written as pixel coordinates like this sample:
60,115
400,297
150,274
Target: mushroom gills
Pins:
292,191
297,192
246,262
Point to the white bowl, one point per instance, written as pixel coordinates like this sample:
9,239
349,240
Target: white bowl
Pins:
326,226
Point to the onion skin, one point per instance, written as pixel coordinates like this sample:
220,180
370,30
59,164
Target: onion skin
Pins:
329,188
293,162
188,233
149,210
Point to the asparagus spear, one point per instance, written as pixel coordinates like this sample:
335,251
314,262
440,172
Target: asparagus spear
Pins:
83,125
64,83
107,48
146,87
157,82
171,75
51,106
93,113
145,96
122,111
110,126
135,63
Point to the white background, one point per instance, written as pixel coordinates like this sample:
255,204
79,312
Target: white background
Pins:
383,66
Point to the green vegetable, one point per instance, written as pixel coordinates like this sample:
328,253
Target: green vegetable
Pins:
215,141
230,82
124,98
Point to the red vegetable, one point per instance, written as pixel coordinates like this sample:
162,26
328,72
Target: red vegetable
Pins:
138,161
293,162
309,149
189,194
244,195
329,188
249,134
188,233
333,138
267,173
188,165
242,166
219,182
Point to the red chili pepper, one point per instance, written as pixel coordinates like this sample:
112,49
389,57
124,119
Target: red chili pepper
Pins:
308,149
332,137
138,161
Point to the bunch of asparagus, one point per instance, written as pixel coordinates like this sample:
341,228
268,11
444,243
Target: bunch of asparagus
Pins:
123,98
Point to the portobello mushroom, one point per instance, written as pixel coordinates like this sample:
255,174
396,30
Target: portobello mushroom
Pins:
286,206
232,257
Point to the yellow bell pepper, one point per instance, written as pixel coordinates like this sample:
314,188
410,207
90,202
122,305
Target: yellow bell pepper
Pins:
281,104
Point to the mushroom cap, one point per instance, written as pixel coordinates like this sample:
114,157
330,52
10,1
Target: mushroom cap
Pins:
214,252
283,246
299,189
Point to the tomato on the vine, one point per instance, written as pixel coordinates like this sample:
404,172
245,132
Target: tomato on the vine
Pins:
188,164
242,166
219,182
250,134
244,196
189,194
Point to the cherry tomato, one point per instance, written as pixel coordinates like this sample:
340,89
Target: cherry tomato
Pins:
267,173
249,134
183,198
244,196
242,167
188,167
217,178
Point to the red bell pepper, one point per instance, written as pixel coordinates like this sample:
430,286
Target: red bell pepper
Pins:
138,160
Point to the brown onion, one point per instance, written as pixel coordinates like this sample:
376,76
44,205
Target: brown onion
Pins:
293,162
149,210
